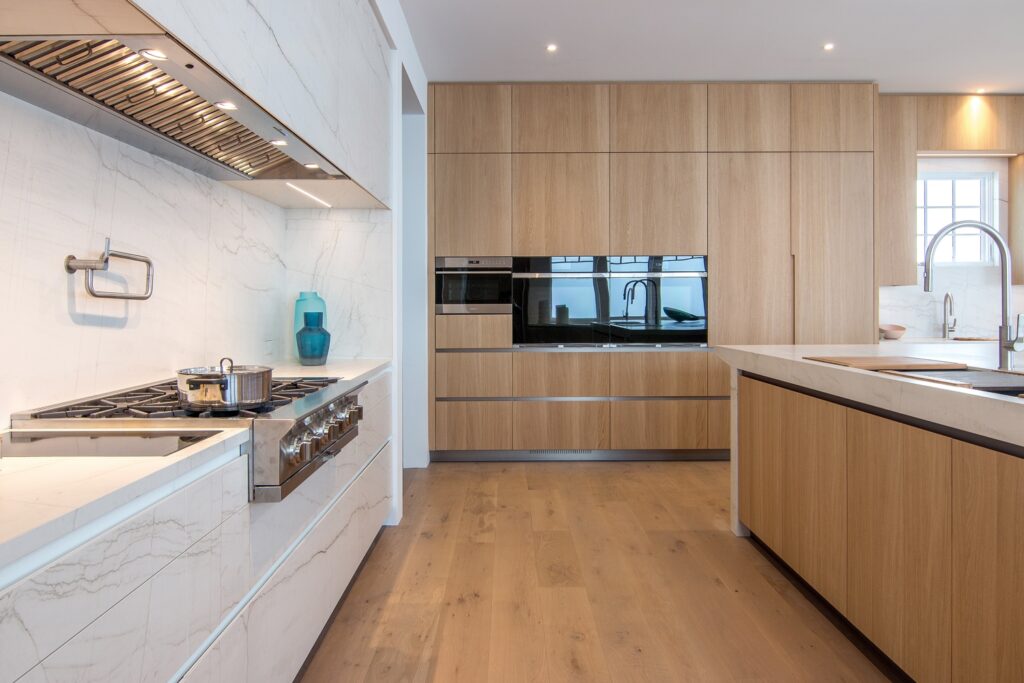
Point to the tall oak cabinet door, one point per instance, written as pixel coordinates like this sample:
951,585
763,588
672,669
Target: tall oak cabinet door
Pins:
472,204
833,248
899,523
560,117
659,204
832,117
559,204
471,118
750,265
896,191
659,117
748,117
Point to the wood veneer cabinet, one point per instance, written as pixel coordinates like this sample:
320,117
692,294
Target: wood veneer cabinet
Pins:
473,331
749,117
1016,215
899,492
557,425
473,425
472,204
659,424
749,256
473,375
659,373
559,204
988,563
969,123
560,374
560,117
659,117
659,203
471,117
762,454
832,117
718,376
896,191
719,430
832,232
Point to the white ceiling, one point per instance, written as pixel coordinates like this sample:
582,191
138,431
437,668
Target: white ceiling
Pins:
904,45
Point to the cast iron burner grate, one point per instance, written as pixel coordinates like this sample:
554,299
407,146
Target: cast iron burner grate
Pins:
160,400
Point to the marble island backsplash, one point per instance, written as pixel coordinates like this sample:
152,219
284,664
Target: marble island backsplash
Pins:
228,266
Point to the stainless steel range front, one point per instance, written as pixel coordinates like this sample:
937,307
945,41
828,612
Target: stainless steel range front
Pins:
307,421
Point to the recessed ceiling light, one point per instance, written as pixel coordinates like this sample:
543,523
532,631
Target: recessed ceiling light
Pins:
226,105
153,55
279,143
312,167
829,47
980,91
308,194
552,47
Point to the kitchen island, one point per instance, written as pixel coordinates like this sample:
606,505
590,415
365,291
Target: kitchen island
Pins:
900,501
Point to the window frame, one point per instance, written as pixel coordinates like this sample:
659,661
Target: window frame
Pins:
988,211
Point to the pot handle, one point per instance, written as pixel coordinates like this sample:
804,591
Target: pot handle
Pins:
231,366
194,384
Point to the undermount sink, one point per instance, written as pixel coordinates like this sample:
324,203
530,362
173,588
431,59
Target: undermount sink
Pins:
990,381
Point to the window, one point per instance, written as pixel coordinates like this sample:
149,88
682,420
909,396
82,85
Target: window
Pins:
947,196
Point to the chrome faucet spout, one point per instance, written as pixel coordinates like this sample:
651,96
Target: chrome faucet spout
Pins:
1010,340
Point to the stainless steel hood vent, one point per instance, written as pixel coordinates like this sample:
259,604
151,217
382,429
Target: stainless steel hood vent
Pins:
113,75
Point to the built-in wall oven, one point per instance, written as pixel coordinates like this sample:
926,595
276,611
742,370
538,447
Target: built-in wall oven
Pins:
609,300
467,285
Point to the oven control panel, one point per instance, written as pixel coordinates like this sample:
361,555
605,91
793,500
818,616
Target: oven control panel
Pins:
322,432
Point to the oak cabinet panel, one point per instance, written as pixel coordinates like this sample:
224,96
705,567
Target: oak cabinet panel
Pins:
832,117
896,191
670,424
560,374
473,425
473,331
988,563
966,123
899,493
659,373
719,428
832,246
470,117
718,376
559,204
473,375
558,425
473,204
560,117
761,457
748,117
659,117
659,204
750,265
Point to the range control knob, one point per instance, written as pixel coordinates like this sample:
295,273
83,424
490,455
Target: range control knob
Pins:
356,411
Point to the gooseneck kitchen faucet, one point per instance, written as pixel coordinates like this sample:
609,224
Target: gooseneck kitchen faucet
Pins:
1010,340
652,300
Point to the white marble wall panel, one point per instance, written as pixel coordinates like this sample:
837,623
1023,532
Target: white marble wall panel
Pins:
322,68
346,256
41,612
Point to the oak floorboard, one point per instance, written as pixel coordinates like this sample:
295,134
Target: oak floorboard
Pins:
551,572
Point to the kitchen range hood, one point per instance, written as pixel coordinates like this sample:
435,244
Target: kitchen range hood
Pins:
149,91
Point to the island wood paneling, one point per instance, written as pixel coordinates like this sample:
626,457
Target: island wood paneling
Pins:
659,424
559,425
896,191
473,425
560,117
988,563
659,204
749,257
761,460
471,117
473,204
473,331
899,517
559,204
832,117
659,117
560,374
748,117
659,373
832,232
473,375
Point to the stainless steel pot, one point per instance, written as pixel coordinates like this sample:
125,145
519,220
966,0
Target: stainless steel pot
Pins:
224,388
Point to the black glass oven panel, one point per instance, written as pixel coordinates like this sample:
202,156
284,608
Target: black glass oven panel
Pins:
560,264
658,300
467,288
657,264
560,310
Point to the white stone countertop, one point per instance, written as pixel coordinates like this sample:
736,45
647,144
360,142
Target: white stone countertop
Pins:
342,368
49,505
976,412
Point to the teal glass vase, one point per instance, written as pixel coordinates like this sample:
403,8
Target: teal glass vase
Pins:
313,341
308,302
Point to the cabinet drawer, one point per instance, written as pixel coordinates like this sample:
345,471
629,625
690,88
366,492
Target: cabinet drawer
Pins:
550,425
560,374
659,373
473,331
659,424
473,425
473,375
718,376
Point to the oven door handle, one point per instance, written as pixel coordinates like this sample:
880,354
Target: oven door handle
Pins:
559,276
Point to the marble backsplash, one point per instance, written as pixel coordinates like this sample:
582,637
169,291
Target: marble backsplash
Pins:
226,271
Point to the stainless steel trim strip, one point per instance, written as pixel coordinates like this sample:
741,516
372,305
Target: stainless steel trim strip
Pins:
562,399
558,276
470,272
579,455
600,348
274,494
471,309
659,275
503,263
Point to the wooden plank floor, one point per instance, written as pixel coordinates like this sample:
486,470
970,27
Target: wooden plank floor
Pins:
576,572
